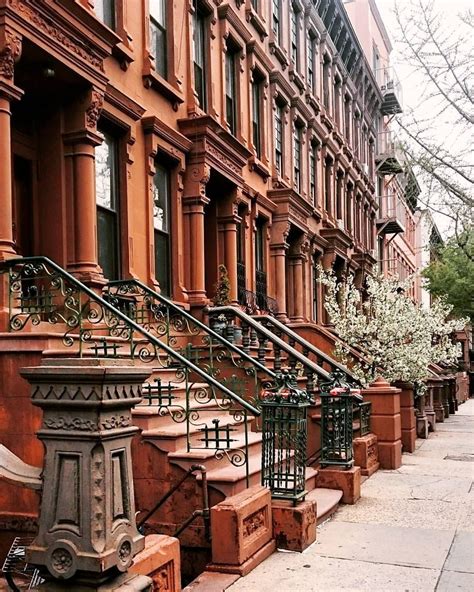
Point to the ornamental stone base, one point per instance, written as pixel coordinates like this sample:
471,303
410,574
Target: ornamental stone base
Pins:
87,532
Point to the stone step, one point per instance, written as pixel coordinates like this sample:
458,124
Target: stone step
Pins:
210,581
231,480
172,436
207,456
327,502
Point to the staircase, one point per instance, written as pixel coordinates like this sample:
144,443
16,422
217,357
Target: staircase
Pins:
200,404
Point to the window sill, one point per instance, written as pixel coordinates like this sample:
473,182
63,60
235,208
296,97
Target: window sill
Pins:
255,164
313,102
279,183
153,80
257,21
325,120
279,53
123,54
296,77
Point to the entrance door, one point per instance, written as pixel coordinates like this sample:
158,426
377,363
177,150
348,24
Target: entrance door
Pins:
23,213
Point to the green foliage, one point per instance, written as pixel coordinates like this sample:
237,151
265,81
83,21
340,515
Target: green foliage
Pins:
222,295
452,275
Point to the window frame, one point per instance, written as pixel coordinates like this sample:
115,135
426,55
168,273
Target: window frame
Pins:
200,16
161,164
112,213
231,108
279,139
297,156
163,28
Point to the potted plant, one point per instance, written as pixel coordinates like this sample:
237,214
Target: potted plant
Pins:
221,298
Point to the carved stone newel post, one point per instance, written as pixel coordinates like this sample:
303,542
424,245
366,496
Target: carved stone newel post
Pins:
87,531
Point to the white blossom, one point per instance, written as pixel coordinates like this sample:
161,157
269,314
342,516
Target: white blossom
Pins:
397,339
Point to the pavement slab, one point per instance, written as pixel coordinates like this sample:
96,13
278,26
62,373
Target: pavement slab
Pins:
412,530
452,581
331,575
381,543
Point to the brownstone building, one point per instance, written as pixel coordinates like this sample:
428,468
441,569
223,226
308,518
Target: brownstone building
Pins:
158,139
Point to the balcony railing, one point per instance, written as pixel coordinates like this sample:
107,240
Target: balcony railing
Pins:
391,91
241,283
388,155
391,217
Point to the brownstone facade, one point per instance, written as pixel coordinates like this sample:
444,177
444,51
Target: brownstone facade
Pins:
246,143
157,139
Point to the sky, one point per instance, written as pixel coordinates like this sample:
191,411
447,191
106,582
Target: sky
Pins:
410,80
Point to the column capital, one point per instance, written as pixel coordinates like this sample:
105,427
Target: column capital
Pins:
9,91
10,51
83,136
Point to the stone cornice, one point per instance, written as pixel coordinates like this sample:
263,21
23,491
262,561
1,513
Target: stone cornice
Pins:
154,125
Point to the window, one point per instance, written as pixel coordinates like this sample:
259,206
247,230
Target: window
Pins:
199,51
257,115
105,11
315,288
327,186
158,41
349,206
312,171
279,139
311,62
107,200
297,158
230,90
276,20
161,225
260,274
294,35
326,74
347,117
255,5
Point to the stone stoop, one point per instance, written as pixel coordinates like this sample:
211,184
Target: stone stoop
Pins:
160,560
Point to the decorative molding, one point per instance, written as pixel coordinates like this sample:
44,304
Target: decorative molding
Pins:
94,109
255,522
123,103
81,48
9,53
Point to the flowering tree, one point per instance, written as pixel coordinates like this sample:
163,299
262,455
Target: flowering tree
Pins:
398,339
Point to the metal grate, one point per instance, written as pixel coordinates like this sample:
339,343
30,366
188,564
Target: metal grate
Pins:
15,565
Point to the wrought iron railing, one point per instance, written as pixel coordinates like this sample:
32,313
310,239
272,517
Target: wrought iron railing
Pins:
213,348
249,300
302,345
284,411
364,412
241,282
337,403
271,350
40,291
262,301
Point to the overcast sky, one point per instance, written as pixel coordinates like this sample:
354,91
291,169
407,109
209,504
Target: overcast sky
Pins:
411,80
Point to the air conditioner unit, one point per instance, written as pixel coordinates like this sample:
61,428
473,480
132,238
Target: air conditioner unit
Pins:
340,223
365,168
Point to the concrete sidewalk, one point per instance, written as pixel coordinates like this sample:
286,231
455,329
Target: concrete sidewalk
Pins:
413,529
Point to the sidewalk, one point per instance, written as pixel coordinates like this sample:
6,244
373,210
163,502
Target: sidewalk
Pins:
413,528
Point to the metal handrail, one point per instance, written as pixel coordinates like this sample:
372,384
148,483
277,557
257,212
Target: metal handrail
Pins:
270,336
205,328
6,265
307,345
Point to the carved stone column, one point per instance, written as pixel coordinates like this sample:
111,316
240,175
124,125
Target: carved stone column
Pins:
10,50
228,221
80,147
278,253
298,260
87,531
194,202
